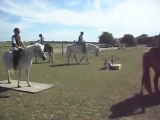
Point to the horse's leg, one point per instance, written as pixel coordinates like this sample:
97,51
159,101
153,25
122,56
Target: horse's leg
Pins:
75,57
27,74
36,59
9,76
87,58
69,55
52,56
19,78
142,84
49,57
156,83
82,58
146,75
51,52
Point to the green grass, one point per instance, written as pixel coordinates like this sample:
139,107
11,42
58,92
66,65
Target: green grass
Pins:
81,92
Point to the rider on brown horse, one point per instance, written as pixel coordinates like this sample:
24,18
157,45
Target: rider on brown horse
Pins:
41,41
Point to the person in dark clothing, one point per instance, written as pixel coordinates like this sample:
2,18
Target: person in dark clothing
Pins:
82,42
17,47
41,41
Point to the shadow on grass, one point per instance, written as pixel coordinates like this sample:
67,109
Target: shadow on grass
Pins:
71,64
134,105
2,90
42,62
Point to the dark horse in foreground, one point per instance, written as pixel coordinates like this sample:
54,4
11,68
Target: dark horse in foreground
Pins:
49,49
151,59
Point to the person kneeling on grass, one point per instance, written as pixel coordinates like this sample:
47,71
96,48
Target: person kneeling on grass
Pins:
106,64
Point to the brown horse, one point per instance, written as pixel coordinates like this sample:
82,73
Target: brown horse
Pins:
48,48
151,59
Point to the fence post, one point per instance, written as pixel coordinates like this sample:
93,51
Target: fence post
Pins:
62,49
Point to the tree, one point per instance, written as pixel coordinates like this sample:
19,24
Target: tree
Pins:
129,40
106,38
142,39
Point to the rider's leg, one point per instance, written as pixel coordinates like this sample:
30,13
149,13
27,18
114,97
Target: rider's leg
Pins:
84,47
15,59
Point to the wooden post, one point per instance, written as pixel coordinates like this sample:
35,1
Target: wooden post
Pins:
62,49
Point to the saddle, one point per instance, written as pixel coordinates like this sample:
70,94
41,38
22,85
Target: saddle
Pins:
83,44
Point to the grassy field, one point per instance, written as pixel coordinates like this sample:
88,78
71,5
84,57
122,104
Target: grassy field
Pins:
82,92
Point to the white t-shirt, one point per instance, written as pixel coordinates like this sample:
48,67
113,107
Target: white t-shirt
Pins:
14,41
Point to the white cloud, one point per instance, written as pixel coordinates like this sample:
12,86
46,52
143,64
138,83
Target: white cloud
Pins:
6,29
72,2
129,16
97,4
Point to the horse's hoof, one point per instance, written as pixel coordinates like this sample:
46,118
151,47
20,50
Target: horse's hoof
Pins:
29,85
18,86
88,62
9,82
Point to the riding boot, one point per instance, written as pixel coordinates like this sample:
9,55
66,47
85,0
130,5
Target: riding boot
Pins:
84,47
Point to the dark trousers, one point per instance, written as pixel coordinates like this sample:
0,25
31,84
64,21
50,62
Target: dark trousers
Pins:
83,44
84,47
16,57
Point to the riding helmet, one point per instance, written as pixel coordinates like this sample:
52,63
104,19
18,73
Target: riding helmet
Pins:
16,30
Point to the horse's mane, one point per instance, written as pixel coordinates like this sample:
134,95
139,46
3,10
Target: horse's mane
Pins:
36,44
75,43
30,46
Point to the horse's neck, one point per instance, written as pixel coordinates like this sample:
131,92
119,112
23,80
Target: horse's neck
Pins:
91,47
30,52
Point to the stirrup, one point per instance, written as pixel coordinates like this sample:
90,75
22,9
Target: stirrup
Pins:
15,67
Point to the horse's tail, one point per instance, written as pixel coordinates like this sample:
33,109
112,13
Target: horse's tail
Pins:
8,62
68,50
146,73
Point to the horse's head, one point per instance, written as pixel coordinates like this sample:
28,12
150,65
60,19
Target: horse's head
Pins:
39,51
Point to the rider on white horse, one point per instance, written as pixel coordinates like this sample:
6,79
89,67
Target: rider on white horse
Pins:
17,46
82,42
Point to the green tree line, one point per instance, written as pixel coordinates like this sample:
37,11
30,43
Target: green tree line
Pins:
129,39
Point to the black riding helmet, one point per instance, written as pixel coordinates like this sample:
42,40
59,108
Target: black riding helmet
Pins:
40,35
82,32
16,30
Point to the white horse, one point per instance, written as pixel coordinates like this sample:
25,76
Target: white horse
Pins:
76,48
25,60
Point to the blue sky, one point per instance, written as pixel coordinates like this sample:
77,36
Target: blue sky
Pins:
64,19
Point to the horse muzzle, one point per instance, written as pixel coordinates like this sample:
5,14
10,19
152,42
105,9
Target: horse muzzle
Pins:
44,58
